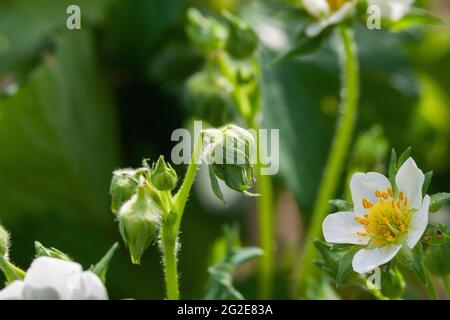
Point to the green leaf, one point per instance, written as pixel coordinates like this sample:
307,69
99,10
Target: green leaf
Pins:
414,260
101,268
50,252
403,157
220,284
393,168
304,45
242,255
10,271
341,205
215,185
427,181
415,17
28,25
63,119
345,266
438,200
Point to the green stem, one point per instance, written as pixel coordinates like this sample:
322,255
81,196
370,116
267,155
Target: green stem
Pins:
430,286
338,152
266,232
172,221
446,286
169,251
264,182
10,271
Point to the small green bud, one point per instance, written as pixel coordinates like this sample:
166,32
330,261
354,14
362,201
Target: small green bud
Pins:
437,256
205,32
164,177
139,222
50,252
208,97
123,186
392,283
230,152
242,41
4,241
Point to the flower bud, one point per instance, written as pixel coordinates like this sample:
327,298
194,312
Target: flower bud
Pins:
4,241
123,185
139,221
207,95
205,32
164,177
230,152
242,40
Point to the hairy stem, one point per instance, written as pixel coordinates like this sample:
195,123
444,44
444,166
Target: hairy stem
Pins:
171,224
338,152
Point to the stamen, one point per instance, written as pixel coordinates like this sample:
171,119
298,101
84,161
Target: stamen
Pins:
389,192
401,196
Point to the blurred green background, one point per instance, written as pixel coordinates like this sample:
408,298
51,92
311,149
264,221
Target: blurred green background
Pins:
75,105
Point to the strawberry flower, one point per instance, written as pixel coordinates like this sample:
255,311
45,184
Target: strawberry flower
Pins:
383,221
55,279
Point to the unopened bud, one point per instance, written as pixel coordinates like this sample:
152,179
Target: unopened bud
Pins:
139,222
242,40
205,32
164,177
123,186
230,153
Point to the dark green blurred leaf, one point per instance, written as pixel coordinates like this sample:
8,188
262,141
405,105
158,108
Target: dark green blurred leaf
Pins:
59,136
427,181
25,25
415,17
438,200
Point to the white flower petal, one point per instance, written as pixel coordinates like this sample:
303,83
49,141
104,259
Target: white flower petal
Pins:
49,278
364,185
88,286
392,10
366,260
342,227
418,223
410,180
316,8
13,291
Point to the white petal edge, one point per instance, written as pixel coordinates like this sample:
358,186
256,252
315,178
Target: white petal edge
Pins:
316,8
88,286
341,227
418,223
410,180
364,185
366,260
49,275
13,291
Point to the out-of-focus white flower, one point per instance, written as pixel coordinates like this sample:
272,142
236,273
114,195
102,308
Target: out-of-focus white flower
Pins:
317,8
55,279
392,10
327,13
381,221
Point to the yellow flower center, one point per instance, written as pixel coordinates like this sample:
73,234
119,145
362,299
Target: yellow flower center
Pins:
386,221
335,4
